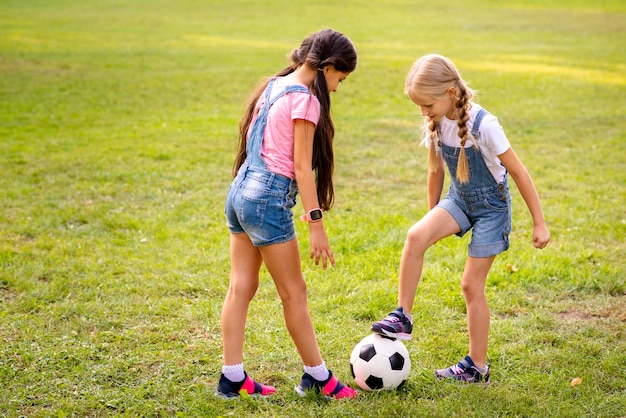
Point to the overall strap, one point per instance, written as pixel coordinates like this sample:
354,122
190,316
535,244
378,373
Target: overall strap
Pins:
479,118
481,176
253,147
288,89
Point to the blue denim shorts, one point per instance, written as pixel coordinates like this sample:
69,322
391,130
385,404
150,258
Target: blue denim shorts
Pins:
259,204
487,212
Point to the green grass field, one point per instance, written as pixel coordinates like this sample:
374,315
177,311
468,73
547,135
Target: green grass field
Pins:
118,128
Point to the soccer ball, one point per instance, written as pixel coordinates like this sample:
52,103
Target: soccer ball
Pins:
379,362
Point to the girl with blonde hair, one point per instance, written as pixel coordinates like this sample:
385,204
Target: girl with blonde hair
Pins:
470,142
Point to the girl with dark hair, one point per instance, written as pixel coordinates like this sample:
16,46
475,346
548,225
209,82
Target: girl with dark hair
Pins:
285,148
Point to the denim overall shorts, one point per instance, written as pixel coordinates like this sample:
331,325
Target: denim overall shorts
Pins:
482,204
259,202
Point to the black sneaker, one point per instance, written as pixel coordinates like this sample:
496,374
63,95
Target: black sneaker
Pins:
227,389
395,325
464,371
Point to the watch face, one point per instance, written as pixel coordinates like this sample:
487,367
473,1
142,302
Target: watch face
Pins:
315,215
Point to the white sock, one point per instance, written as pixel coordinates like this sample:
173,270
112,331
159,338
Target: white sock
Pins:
410,317
319,373
234,372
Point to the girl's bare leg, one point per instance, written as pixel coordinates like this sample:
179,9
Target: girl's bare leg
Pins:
435,225
283,262
478,317
244,281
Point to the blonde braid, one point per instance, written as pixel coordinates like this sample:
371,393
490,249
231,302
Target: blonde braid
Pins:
462,104
433,136
432,76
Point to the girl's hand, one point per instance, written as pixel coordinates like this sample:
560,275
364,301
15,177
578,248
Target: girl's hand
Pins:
320,248
541,236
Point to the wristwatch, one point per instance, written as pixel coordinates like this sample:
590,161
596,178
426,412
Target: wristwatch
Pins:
313,215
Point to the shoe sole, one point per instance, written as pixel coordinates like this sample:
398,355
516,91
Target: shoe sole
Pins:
302,393
399,336
226,397
450,379
464,382
231,397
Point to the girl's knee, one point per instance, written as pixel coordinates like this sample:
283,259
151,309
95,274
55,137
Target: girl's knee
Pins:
472,289
243,291
295,293
416,239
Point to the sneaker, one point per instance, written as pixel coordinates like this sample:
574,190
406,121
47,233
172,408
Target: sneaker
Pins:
229,390
465,371
395,325
331,388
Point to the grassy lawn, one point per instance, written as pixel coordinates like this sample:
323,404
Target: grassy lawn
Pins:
118,129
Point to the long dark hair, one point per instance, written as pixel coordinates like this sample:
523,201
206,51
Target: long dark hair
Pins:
326,47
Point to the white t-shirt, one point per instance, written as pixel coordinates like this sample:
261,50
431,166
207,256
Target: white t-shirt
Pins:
492,141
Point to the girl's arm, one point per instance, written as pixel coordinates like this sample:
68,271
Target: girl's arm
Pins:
435,183
519,174
303,167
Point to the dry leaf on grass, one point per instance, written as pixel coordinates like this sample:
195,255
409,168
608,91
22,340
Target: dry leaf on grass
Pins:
511,268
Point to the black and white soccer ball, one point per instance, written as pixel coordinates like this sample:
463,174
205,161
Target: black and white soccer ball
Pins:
379,363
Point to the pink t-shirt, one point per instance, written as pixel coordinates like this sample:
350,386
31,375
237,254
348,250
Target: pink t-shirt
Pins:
278,143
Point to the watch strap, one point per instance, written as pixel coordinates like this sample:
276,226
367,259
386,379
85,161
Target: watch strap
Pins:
313,215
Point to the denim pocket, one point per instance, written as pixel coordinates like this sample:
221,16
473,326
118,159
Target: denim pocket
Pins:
496,202
252,211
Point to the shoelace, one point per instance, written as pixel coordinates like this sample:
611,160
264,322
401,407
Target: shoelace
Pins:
456,369
393,318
